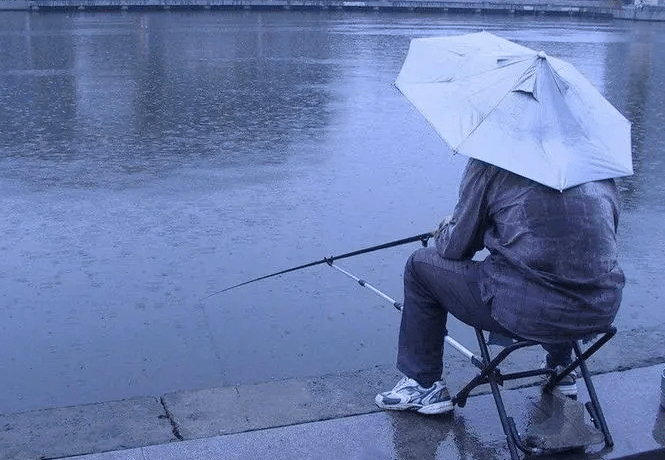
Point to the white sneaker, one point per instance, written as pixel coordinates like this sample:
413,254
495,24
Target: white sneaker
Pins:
409,395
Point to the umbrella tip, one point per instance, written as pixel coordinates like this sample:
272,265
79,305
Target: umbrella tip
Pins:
542,55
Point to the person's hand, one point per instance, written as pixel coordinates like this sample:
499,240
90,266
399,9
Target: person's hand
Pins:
443,223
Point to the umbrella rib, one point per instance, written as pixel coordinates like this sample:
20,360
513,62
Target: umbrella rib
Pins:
472,75
482,118
546,158
517,59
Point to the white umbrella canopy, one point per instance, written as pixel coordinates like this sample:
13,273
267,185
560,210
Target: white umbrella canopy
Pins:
516,108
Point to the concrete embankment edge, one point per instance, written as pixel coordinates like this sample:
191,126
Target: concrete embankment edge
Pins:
196,414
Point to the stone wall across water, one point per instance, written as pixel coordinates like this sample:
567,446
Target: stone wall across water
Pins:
581,7
648,10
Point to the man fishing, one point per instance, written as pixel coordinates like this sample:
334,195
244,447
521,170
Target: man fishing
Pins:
551,276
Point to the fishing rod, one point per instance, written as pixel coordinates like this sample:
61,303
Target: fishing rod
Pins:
364,283
423,237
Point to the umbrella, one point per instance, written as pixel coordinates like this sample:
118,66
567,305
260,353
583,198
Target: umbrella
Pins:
516,108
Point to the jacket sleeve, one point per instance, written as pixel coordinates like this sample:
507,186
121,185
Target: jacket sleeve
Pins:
462,236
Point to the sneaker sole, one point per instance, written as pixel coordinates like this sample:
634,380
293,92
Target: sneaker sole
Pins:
430,409
436,408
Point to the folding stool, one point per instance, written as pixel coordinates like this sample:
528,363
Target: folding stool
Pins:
491,374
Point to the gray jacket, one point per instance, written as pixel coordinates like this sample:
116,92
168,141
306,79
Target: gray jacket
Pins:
552,272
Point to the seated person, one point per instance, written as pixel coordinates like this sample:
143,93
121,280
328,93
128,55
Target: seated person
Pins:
551,276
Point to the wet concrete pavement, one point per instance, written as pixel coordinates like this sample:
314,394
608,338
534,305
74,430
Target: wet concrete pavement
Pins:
330,417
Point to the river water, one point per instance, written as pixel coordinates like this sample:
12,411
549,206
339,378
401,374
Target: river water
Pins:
150,159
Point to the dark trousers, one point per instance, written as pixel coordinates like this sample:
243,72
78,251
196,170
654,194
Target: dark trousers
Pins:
434,287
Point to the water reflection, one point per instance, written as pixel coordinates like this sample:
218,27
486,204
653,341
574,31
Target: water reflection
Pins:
422,438
36,109
124,95
633,68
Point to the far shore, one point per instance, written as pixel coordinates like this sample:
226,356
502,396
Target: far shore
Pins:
582,8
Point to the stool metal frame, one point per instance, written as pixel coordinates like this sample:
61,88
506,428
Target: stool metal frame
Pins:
491,374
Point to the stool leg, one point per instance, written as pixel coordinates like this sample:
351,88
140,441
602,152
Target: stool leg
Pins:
505,420
598,412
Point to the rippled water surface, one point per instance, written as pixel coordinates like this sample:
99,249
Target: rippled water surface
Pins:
150,159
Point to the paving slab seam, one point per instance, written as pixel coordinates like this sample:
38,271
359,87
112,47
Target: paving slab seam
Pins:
169,417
